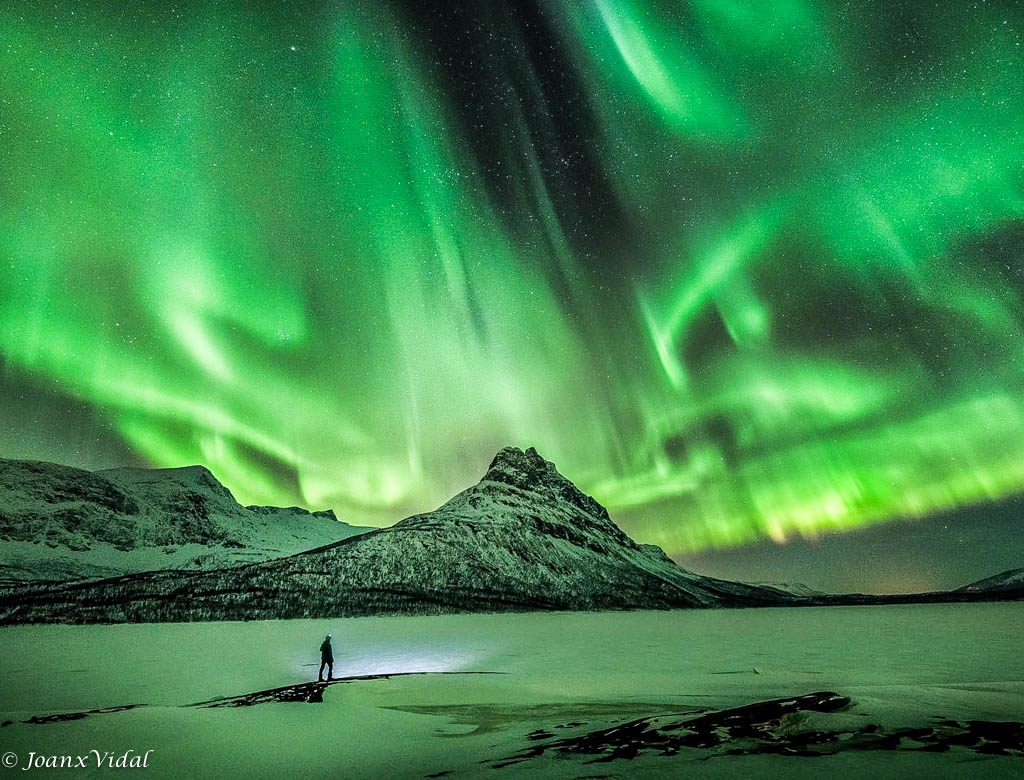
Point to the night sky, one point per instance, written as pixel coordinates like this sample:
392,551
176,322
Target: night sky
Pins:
751,273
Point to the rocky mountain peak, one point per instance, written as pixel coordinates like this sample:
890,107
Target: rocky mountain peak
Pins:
521,468
527,470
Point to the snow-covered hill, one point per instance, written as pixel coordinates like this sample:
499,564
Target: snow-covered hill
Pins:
63,523
523,538
1011,581
792,588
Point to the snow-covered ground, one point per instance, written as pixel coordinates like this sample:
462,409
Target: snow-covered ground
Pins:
567,674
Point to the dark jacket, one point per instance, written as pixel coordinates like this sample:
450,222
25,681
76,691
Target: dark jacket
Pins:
326,651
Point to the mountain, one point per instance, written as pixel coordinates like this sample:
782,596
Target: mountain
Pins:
1008,583
63,523
523,538
1008,586
797,589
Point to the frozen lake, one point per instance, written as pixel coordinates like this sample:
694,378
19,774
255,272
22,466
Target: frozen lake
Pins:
559,676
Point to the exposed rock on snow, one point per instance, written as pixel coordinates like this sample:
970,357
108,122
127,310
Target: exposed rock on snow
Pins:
523,538
310,692
780,727
62,523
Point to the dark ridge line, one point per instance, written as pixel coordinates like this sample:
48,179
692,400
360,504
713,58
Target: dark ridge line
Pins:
415,603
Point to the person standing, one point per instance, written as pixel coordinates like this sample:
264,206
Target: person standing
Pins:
326,659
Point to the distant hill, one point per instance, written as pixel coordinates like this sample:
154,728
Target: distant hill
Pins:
1008,586
1008,582
523,538
63,523
792,588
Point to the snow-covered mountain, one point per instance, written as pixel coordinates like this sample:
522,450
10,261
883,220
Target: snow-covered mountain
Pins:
1011,581
63,523
792,588
523,538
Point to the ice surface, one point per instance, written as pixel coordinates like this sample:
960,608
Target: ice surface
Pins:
902,666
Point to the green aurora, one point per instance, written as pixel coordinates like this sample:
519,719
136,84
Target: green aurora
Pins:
742,270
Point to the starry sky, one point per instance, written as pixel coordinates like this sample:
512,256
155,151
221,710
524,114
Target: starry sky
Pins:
750,273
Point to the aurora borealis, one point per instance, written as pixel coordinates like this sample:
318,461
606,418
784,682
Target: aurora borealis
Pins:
744,271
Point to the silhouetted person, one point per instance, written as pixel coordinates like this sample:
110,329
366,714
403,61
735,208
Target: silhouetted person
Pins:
326,659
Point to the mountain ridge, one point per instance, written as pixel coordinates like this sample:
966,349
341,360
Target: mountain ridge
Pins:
523,538
62,523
